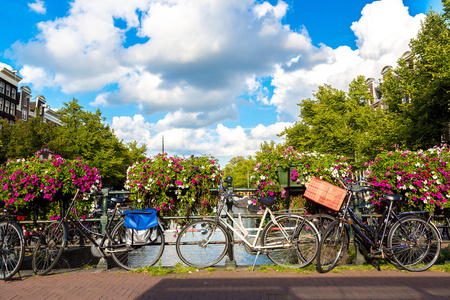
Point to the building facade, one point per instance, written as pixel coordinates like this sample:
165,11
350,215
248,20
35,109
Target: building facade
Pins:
9,82
17,104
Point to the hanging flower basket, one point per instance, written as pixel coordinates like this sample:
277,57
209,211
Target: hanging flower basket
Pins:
290,176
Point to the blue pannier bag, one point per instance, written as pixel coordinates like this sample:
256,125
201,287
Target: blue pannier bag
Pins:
140,226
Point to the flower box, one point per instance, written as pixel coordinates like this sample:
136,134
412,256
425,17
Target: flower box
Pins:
325,194
284,176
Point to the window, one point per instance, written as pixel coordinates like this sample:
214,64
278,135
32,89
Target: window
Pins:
13,93
8,91
13,109
2,87
25,102
1,104
7,106
24,115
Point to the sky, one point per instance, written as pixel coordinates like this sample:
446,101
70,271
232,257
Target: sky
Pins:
212,77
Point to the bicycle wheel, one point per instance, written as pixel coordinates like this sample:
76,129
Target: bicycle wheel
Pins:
134,257
49,247
202,243
415,244
12,249
294,251
333,246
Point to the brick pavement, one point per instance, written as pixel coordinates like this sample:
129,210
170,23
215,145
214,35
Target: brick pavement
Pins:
222,284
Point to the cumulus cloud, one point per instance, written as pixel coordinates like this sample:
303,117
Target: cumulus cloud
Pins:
383,33
196,62
38,7
221,141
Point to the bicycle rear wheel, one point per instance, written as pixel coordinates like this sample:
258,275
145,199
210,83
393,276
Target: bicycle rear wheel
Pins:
415,244
134,257
12,249
202,243
49,247
332,247
295,251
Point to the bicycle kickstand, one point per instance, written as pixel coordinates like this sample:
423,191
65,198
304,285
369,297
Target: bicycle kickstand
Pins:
254,263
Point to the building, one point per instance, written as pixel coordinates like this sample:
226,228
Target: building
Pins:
373,85
9,82
15,105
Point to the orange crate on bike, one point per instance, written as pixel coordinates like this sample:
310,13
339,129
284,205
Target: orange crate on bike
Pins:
325,194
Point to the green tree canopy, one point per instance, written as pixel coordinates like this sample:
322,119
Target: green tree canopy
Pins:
423,80
240,169
340,122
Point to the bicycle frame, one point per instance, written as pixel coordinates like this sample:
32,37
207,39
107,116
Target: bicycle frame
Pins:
240,229
375,238
83,230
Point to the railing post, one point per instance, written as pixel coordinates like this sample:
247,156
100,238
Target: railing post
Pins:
104,217
102,263
359,258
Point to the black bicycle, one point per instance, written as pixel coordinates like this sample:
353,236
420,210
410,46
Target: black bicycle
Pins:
408,240
130,249
12,248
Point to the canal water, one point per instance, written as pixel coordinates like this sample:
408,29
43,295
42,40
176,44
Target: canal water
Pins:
241,257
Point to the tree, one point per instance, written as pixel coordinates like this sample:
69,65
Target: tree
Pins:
240,169
343,123
84,134
425,80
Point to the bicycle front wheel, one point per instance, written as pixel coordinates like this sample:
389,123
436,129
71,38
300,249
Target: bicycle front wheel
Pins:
49,247
415,244
202,243
293,242
333,246
12,249
133,257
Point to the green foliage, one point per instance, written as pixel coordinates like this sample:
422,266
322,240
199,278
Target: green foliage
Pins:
424,79
240,169
82,134
342,123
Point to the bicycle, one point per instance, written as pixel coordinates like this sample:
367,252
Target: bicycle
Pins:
12,248
409,240
114,242
288,239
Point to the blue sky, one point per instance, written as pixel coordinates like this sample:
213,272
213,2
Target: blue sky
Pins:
212,77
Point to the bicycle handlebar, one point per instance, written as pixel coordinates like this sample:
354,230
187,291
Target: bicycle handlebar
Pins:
354,182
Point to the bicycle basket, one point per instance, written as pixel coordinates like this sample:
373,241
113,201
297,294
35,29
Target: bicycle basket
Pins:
140,226
325,194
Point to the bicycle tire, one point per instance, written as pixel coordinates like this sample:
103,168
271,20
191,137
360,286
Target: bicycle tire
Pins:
332,247
49,247
12,249
298,254
421,244
191,247
135,257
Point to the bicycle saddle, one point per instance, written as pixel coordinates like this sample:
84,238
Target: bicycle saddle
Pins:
388,197
118,199
269,201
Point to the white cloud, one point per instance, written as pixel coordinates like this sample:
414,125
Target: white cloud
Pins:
222,142
38,7
196,61
383,34
192,56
